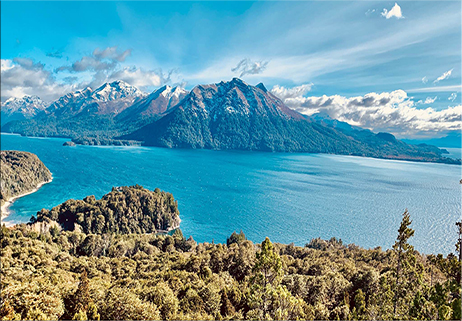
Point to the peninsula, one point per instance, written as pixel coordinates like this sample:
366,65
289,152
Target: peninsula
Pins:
22,173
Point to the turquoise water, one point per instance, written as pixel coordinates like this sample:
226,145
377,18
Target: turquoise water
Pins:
287,197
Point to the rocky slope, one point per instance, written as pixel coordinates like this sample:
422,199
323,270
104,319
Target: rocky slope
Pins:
21,173
151,107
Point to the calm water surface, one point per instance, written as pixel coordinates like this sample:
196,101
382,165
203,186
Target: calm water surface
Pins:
287,197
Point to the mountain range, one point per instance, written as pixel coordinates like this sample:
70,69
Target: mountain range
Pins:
23,108
230,115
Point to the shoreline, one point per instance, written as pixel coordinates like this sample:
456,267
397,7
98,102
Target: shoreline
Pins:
454,161
4,212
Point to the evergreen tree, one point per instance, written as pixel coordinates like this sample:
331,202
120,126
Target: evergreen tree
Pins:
268,266
267,276
226,309
405,266
82,295
459,240
80,315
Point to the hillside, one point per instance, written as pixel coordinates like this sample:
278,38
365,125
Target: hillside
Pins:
124,210
21,173
235,115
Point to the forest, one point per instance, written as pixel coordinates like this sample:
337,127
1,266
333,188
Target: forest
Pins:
70,274
21,172
124,210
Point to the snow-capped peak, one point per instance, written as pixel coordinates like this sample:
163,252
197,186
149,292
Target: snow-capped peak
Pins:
27,105
115,90
72,97
169,92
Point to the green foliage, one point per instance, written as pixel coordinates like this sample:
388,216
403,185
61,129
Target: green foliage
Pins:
268,266
124,210
408,272
81,276
82,296
21,172
81,315
236,238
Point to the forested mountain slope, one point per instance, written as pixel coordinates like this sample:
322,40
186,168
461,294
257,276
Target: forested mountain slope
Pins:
21,172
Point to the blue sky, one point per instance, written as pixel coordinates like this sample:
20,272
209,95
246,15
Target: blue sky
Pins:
333,57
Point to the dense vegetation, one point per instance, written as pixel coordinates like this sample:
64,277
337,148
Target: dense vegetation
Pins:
124,210
74,275
21,172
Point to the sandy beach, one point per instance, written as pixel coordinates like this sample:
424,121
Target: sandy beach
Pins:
4,209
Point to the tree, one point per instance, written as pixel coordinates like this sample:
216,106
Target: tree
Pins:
93,312
164,298
405,262
226,308
80,315
268,267
267,276
359,309
236,238
82,295
121,304
459,240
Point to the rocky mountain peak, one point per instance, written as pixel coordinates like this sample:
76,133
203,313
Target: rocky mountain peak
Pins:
115,90
27,105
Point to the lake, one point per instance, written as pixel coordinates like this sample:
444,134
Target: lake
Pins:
287,197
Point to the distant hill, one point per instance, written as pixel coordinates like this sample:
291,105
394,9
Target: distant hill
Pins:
124,210
21,173
453,140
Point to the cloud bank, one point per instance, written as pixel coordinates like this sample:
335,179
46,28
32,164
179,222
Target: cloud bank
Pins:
393,112
23,76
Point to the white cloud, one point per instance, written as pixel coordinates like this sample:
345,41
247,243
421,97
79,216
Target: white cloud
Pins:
436,89
369,12
424,80
430,100
112,53
22,76
392,112
247,66
284,93
6,64
107,59
444,76
394,12
452,97
140,77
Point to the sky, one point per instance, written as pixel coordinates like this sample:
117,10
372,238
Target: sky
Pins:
387,66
